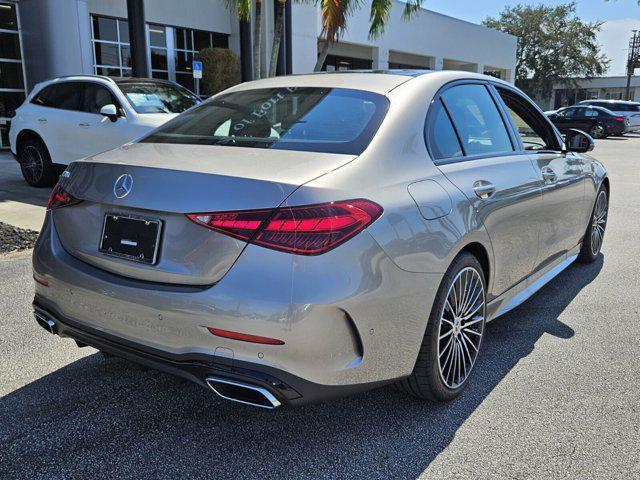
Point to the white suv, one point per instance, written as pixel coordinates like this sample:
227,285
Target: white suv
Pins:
68,118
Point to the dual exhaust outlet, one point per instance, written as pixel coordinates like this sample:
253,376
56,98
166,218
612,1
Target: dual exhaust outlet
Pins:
233,390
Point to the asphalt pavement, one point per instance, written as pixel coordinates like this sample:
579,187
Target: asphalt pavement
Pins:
556,393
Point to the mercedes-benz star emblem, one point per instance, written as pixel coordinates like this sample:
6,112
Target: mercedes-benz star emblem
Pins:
123,185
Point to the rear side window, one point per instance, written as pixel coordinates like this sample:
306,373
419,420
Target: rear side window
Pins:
477,120
441,137
331,120
623,107
44,97
64,95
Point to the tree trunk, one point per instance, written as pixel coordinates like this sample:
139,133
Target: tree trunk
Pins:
277,36
322,56
257,40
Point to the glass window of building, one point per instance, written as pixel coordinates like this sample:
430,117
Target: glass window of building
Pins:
111,50
187,43
12,84
171,50
159,52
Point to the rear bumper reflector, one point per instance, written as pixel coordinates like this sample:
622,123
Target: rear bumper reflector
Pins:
244,337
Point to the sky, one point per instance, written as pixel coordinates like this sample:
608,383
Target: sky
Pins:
620,17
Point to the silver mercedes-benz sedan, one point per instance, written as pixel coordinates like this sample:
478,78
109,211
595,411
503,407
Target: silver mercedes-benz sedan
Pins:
304,237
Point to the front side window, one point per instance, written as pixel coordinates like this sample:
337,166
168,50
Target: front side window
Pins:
477,120
95,97
567,112
147,97
332,120
534,130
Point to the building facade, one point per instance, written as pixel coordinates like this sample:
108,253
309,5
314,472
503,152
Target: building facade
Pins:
40,39
603,88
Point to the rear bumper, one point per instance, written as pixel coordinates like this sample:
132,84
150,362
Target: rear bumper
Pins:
196,367
616,130
353,324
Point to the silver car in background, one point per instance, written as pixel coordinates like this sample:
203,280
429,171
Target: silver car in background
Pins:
299,238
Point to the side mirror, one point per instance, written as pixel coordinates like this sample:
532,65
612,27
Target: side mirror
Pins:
110,111
578,141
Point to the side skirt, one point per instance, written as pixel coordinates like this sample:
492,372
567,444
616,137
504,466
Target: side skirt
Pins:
508,301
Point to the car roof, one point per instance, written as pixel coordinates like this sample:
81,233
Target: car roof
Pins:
377,81
625,102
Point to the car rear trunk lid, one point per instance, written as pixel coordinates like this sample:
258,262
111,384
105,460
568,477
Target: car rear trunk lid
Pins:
168,181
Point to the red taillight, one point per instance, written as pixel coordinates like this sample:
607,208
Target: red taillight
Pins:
60,198
304,230
619,119
40,280
245,337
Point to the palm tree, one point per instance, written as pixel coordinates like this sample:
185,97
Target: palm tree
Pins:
334,20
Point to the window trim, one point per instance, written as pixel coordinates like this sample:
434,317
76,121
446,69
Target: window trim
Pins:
513,132
465,157
526,102
114,96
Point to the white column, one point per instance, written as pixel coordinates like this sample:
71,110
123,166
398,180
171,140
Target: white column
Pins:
438,63
479,68
84,34
380,58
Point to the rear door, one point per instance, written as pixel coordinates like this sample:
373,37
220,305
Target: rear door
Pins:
58,122
499,181
560,175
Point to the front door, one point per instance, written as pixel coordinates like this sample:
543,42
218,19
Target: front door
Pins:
560,176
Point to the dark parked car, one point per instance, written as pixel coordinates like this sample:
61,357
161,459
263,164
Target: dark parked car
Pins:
596,121
621,108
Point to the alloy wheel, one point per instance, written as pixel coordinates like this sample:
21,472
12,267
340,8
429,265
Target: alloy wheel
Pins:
32,164
461,327
597,131
599,222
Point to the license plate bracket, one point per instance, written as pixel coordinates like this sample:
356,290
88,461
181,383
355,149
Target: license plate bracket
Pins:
130,237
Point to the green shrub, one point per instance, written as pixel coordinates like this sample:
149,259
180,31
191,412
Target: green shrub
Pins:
221,69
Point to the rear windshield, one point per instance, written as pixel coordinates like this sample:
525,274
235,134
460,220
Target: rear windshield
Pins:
147,97
331,120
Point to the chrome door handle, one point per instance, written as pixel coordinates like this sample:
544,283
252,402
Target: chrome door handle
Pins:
548,175
84,125
484,189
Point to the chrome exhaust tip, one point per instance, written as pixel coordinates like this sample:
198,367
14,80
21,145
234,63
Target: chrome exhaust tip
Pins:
46,323
243,393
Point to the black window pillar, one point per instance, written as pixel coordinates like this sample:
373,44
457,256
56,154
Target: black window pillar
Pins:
246,57
137,38
287,38
284,54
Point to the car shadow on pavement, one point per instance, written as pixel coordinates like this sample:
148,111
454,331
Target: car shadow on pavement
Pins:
113,418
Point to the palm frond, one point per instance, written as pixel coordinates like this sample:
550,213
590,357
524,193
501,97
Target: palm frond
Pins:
379,16
411,8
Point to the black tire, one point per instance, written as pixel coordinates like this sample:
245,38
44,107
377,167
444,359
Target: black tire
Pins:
594,235
598,131
426,381
35,163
